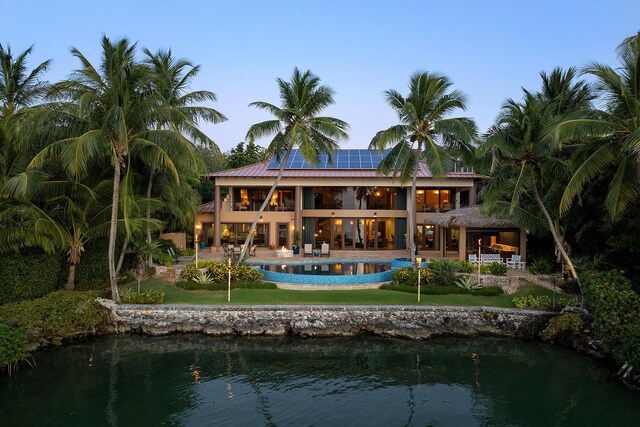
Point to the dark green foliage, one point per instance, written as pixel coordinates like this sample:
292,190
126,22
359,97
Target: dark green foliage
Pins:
498,269
465,267
614,307
243,156
543,302
164,259
31,275
542,266
219,272
132,296
409,276
489,291
60,314
566,323
191,285
92,272
13,347
443,272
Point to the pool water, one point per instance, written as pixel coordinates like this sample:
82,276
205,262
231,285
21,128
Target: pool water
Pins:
336,272
329,269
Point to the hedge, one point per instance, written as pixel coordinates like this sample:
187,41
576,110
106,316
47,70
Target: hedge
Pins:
31,275
13,347
614,307
489,291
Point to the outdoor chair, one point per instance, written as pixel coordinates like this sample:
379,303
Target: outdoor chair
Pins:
308,249
473,259
178,258
324,249
514,262
252,251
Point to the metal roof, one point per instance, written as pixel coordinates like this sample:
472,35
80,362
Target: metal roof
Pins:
208,207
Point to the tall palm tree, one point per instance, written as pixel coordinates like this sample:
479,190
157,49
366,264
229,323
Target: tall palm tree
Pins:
529,170
19,89
297,124
172,79
609,137
106,112
425,133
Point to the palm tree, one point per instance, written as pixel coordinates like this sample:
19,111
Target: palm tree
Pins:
425,133
106,112
172,79
529,171
608,138
19,89
297,124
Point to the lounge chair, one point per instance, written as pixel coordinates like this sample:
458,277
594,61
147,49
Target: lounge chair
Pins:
308,249
473,259
324,249
515,262
177,258
252,251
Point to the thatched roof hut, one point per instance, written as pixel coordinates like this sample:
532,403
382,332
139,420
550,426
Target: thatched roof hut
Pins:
470,217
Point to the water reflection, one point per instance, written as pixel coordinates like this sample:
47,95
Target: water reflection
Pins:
198,380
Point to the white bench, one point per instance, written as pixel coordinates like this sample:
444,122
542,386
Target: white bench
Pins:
486,259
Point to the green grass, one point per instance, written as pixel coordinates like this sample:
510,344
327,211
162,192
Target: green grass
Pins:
174,295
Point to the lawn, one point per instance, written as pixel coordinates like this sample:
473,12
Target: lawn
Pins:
175,295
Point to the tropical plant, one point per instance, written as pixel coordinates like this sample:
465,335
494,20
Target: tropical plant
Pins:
541,266
498,268
296,124
425,133
443,271
203,278
528,175
469,283
610,137
102,119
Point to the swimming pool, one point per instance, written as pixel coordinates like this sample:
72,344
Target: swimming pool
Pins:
335,272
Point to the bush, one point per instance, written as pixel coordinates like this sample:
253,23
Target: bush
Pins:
164,259
614,307
532,301
566,323
131,296
189,272
61,314
542,266
92,272
29,276
465,267
443,272
489,291
187,252
13,347
498,268
469,283
409,276
191,285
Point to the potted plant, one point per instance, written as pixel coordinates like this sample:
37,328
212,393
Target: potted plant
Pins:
296,242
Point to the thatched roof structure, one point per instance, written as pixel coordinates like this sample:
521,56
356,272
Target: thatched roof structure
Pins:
471,217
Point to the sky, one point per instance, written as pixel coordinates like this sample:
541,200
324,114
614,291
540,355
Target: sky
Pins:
489,49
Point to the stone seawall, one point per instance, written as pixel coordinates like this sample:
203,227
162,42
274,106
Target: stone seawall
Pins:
315,321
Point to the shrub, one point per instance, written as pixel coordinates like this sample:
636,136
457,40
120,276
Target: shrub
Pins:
189,272
566,323
614,307
92,272
13,347
489,291
191,285
164,259
542,266
187,252
532,301
498,268
61,314
465,267
30,276
469,283
131,296
203,278
443,272
409,276
485,269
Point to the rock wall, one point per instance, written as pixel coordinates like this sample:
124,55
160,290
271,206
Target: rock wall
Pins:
308,321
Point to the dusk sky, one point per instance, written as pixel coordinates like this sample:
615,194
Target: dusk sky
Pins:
489,49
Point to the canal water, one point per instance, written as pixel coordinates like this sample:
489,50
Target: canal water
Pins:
196,380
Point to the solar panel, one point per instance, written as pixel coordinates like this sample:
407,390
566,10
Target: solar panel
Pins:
342,159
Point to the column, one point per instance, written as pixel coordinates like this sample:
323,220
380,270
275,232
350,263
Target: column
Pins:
217,208
297,223
462,243
523,245
472,195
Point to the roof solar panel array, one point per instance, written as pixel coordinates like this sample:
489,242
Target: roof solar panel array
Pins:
342,159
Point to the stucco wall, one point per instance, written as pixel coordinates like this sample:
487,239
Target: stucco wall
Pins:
391,321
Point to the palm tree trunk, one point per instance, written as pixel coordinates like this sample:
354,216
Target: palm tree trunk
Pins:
122,254
71,278
149,187
115,200
556,238
249,239
412,210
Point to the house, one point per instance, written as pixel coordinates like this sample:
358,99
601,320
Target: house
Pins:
346,204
